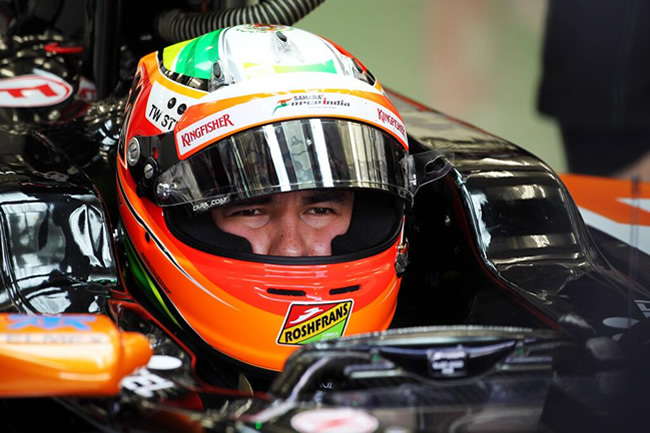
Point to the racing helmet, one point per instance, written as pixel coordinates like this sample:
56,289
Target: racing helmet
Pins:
237,116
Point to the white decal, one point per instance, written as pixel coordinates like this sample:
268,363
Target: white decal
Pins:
334,420
144,383
205,205
619,322
87,90
33,91
642,203
620,231
165,107
644,306
262,110
448,363
307,314
164,362
53,338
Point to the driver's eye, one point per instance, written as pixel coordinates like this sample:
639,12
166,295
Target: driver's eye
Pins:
321,210
247,212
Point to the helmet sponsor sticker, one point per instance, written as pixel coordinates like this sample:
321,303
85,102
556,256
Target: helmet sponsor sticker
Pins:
203,132
391,121
217,125
308,323
311,100
334,420
33,91
209,204
165,107
261,28
87,90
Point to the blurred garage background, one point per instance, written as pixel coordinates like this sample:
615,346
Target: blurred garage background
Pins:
476,60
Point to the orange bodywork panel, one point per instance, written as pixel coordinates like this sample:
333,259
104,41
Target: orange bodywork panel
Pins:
611,198
76,354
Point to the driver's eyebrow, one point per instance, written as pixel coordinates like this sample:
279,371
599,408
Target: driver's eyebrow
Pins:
324,196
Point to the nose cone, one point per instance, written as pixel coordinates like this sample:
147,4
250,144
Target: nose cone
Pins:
71,354
136,352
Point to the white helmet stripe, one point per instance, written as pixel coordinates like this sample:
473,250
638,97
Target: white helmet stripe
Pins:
276,156
321,152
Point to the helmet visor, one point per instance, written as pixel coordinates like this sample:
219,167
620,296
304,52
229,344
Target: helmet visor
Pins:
286,156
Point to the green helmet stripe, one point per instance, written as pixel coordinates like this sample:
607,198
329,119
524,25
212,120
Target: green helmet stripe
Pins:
144,281
170,53
196,57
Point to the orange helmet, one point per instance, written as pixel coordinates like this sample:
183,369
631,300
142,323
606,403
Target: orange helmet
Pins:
241,114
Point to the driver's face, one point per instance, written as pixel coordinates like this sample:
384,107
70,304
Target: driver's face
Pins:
301,223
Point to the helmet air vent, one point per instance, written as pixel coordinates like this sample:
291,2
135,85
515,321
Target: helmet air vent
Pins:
283,48
219,77
343,290
286,292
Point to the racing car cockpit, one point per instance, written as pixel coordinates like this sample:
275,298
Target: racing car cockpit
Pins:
297,241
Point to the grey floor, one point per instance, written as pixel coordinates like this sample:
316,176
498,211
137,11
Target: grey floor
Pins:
477,60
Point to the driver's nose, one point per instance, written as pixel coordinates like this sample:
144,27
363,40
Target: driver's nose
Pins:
287,240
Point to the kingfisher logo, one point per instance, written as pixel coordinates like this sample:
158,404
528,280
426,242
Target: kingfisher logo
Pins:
389,119
194,134
311,100
33,91
203,132
308,323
